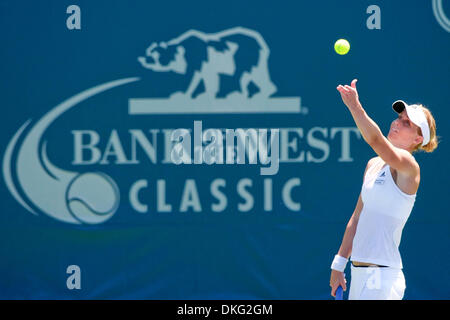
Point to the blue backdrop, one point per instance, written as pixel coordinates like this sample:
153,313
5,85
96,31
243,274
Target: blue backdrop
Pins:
87,177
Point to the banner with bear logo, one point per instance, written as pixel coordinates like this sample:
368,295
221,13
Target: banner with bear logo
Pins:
200,150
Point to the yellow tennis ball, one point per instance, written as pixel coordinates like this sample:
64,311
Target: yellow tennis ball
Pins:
341,46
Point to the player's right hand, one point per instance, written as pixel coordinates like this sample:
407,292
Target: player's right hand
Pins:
337,279
349,94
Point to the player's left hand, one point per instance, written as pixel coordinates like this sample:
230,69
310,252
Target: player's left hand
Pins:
349,94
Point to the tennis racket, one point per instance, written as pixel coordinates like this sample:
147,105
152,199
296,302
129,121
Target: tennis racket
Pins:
339,294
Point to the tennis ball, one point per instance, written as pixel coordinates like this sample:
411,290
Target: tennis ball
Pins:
92,197
341,46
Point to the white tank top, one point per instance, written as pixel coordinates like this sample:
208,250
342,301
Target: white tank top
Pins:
385,211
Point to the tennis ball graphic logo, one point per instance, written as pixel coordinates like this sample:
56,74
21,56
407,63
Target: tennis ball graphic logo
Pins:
92,197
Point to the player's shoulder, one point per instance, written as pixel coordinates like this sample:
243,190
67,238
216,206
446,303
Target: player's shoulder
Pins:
413,166
407,163
372,161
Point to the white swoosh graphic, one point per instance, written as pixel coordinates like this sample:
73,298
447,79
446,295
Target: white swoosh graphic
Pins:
440,15
7,168
46,192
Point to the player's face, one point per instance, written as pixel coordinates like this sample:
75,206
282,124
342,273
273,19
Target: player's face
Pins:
403,132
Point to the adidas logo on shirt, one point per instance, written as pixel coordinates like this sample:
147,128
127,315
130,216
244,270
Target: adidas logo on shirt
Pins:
381,178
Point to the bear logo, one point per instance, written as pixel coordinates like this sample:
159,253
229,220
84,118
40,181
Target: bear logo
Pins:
239,53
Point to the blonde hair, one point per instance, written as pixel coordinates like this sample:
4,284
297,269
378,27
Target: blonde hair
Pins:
433,143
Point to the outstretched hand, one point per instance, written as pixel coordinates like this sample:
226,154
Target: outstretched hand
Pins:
349,94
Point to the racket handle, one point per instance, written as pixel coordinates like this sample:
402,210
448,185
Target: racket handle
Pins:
339,293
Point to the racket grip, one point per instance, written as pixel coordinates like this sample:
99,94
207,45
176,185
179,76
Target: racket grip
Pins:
339,293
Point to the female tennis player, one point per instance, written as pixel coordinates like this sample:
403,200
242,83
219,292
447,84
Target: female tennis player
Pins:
390,183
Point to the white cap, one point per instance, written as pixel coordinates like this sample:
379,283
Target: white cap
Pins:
416,115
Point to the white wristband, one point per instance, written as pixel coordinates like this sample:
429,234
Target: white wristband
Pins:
339,263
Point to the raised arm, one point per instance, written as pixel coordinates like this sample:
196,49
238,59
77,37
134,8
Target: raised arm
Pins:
397,158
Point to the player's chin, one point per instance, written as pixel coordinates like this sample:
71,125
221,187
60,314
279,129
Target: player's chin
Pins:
392,137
